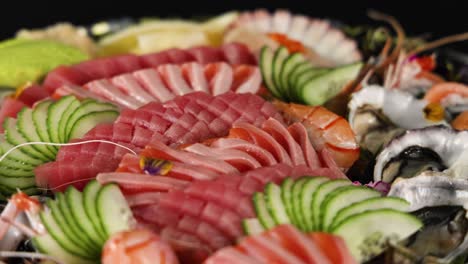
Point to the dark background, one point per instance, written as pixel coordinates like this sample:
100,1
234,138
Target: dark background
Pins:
439,18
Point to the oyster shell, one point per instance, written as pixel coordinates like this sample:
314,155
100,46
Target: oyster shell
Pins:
377,115
431,189
438,147
327,45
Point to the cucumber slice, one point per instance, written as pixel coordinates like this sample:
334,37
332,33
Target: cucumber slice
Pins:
286,196
17,159
13,172
252,226
89,202
15,138
28,130
280,56
77,231
296,202
366,233
56,231
48,245
87,106
18,182
75,201
275,204
65,226
293,79
285,74
89,121
54,115
307,75
266,68
327,85
39,116
62,132
375,203
341,198
261,209
320,194
113,210
306,197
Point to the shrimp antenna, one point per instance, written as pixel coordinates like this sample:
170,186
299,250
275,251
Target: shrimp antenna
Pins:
440,42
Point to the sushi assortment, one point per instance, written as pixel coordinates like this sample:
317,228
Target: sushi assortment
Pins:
250,137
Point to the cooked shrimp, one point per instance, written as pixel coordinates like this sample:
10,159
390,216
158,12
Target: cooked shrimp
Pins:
461,122
137,246
441,91
326,130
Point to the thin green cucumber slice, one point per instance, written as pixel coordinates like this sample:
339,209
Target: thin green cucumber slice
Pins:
90,193
278,60
261,209
306,197
15,138
375,203
320,194
75,202
275,204
28,130
39,116
48,245
66,209
289,65
325,86
87,106
62,132
56,231
16,158
297,214
54,115
252,226
18,182
342,198
366,234
113,210
89,121
266,68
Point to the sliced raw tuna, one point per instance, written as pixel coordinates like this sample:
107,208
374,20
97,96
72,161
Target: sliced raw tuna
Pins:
87,71
33,94
9,108
134,129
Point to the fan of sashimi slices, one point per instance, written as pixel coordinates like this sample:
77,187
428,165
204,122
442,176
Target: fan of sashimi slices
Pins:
323,44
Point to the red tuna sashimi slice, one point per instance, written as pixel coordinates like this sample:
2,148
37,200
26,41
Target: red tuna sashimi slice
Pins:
223,219
239,159
99,68
130,86
152,82
236,53
226,196
231,255
268,251
32,94
158,150
219,76
64,75
279,132
153,60
137,182
9,108
194,74
247,79
206,54
189,248
178,56
109,91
